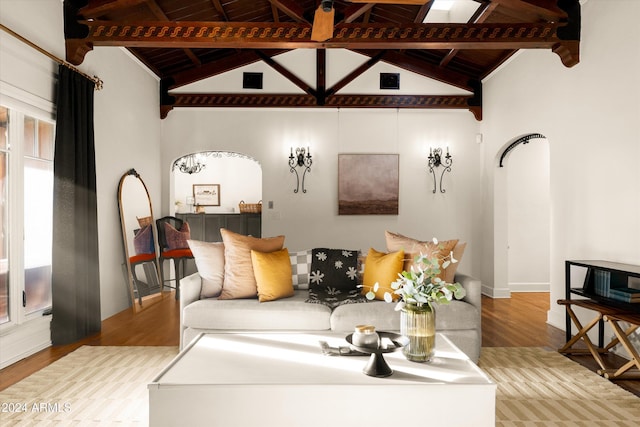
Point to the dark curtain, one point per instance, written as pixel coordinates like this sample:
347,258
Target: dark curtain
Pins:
75,273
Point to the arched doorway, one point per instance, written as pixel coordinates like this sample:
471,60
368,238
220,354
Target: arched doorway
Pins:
523,204
236,177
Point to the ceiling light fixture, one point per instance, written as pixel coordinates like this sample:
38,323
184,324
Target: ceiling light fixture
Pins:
191,163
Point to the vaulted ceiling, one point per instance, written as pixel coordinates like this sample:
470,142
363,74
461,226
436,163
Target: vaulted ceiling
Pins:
184,41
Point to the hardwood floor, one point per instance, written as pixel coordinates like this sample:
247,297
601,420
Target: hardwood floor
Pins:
516,322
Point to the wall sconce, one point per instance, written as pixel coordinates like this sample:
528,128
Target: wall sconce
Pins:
435,160
302,159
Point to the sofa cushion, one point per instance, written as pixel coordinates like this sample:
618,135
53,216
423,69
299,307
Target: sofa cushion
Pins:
273,274
209,257
334,277
383,269
382,315
239,280
413,248
249,314
300,268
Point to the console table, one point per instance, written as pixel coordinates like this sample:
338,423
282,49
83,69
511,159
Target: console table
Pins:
206,227
593,294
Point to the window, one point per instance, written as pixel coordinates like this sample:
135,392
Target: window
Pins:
26,212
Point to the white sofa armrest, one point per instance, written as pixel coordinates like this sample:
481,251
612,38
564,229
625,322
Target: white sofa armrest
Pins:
473,287
190,287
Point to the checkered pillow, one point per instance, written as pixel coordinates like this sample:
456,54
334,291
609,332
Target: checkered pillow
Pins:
300,267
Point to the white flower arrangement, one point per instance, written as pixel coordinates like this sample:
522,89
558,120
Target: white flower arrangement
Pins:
421,285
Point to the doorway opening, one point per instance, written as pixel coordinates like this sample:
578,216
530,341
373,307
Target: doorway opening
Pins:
524,207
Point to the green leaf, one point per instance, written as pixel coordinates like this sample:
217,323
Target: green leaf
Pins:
370,295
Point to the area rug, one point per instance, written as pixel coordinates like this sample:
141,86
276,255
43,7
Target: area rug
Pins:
537,387
108,386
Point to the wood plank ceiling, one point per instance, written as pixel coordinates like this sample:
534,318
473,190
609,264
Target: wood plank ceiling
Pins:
184,41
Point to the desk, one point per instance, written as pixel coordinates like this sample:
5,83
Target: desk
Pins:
283,379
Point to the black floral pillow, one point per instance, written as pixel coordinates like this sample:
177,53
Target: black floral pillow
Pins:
333,279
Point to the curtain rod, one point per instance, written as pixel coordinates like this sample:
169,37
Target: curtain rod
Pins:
95,79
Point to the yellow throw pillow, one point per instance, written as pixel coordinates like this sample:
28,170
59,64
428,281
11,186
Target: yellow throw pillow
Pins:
239,280
413,248
273,274
382,268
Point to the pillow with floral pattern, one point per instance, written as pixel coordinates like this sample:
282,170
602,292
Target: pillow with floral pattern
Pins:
333,279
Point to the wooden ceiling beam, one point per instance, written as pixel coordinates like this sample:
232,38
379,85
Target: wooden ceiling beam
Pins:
480,16
291,9
191,100
355,11
286,73
355,73
220,9
94,8
295,35
410,63
159,13
222,65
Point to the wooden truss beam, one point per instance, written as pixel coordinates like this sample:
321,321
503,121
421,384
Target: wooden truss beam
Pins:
230,100
249,35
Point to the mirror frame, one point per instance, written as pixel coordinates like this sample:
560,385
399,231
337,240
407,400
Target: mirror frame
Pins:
140,303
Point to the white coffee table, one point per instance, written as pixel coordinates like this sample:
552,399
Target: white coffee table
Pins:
283,379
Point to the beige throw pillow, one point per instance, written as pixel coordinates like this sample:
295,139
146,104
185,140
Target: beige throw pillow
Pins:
413,247
239,279
209,257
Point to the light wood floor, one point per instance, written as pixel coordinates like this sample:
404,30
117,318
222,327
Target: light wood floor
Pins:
516,322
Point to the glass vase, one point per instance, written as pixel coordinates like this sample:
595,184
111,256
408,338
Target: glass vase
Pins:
418,324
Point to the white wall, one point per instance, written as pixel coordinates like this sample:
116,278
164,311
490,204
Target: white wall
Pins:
589,114
528,216
126,118
311,220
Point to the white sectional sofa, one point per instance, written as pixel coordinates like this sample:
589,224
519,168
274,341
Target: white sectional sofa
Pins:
460,321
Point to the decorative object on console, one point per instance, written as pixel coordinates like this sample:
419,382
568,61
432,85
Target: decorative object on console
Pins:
418,289
368,184
302,159
250,207
191,163
334,277
435,160
206,194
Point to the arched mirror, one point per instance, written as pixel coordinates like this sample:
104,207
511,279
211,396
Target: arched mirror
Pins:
139,241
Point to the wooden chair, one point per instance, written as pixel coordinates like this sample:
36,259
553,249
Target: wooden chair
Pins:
168,251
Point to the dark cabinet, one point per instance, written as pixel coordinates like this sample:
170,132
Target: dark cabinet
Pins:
206,227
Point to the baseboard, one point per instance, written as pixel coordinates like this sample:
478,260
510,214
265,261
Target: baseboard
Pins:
25,340
496,293
529,287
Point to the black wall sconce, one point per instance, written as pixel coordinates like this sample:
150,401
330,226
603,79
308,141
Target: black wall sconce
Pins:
302,159
435,160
